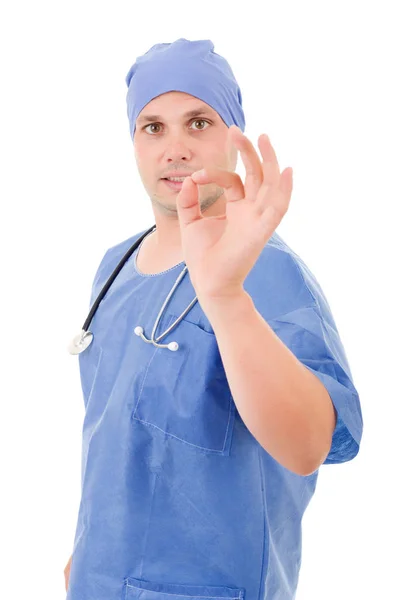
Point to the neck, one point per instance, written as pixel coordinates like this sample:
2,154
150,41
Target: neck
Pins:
167,236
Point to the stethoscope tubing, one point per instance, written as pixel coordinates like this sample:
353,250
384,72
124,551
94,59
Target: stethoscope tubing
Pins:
116,271
81,341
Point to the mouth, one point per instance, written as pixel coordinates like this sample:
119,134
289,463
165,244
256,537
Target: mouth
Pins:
175,184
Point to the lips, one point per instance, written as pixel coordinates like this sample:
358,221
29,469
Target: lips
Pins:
173,185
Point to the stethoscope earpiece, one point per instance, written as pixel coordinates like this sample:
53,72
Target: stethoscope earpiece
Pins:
155,341
171,346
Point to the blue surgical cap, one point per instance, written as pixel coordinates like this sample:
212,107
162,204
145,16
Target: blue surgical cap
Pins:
184,66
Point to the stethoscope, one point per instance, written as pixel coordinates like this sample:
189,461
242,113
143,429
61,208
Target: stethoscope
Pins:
82,340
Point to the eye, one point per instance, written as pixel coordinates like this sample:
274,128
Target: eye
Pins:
200,121
158,125
150,125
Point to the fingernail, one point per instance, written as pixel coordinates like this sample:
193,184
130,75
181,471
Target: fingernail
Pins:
200,173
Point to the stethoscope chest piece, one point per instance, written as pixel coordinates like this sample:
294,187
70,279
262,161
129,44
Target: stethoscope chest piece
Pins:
80,342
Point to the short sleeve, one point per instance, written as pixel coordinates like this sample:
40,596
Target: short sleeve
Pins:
108,263
310,332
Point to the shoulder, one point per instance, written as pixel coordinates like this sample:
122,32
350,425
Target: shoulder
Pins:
110,260
281,281
115,253
118,250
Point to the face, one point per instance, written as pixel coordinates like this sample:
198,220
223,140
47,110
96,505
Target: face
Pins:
177,133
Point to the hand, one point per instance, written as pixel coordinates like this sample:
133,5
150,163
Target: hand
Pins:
221,250
67,571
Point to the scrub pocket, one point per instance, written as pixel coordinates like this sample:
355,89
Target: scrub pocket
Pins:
185,393
148,590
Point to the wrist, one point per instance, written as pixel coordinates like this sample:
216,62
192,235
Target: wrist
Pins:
229,306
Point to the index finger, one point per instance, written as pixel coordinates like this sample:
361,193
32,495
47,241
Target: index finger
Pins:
230,181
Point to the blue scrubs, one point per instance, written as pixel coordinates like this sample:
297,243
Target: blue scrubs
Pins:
178,499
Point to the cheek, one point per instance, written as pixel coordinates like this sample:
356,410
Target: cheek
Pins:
139,154
143,162
141,150
221,160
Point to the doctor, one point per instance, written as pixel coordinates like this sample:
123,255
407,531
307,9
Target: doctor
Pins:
198,464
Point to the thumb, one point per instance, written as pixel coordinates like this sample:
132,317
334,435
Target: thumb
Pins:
187,203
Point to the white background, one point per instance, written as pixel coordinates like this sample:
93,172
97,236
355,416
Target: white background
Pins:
332,83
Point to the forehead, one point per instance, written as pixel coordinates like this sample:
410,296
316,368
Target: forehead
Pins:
175,105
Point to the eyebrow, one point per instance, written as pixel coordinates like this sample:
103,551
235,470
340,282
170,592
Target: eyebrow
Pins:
191,113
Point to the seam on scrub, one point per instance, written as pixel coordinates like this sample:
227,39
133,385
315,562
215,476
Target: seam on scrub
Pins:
136,252
147,368
95,376
149,519
229,419
322,322
293,514
265,544
303,278
184,595
144,378
209,450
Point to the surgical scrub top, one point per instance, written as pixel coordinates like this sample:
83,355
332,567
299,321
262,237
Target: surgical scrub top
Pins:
179,501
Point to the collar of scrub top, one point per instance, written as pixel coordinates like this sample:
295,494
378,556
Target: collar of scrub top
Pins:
82,340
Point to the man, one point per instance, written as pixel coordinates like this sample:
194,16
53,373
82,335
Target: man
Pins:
201,452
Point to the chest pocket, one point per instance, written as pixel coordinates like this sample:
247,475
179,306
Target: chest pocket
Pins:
185,394
135,589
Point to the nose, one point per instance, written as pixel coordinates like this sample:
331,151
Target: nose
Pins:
177,147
